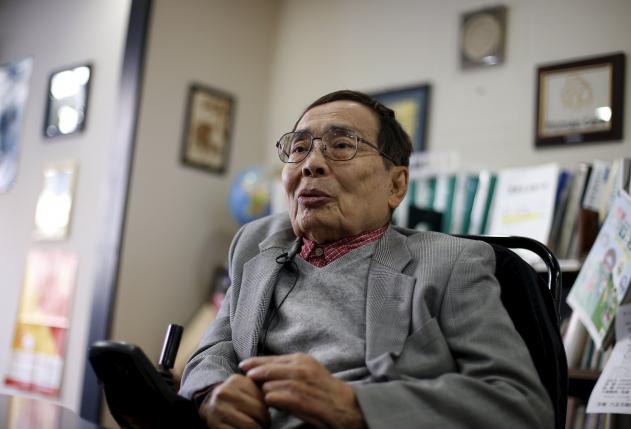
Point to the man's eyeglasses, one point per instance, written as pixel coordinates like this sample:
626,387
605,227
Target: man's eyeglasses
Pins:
337,145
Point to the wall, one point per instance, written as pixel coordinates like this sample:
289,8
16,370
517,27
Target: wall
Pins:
178,227
58,34
275,57
486,115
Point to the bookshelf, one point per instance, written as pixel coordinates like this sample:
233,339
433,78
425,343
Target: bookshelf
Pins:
561,207
582,382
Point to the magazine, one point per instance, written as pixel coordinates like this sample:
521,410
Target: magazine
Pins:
603,282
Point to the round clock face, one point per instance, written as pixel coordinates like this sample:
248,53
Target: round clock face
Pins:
481,38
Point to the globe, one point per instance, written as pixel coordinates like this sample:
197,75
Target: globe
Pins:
250,195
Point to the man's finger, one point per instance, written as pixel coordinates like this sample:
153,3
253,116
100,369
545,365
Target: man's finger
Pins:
298,398
236,419
253,362
242,394
279,371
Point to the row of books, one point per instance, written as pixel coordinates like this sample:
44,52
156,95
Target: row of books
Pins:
577,418
560,207
596,298
586,356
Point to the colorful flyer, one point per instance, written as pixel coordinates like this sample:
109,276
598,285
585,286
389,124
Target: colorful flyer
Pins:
603,282
42,322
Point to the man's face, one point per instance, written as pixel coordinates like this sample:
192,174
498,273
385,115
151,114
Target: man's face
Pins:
329,200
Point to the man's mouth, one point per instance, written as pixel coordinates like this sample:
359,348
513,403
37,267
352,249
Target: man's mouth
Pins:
313,197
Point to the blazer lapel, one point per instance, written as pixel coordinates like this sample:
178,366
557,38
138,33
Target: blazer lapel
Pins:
260,275
388,301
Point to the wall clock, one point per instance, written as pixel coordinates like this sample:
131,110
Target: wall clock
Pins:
482,37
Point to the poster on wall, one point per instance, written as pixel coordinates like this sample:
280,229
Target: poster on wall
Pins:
14,78
42,324
54,205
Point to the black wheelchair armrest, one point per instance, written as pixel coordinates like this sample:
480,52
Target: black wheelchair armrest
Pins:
137,394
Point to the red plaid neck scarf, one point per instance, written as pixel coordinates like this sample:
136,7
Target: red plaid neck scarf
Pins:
320,255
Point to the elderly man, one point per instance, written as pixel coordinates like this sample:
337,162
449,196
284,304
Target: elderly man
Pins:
336,319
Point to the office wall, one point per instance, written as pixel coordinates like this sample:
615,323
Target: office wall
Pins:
487,115
178,226
57,34
275,57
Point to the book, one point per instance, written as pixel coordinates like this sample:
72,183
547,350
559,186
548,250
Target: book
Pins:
457,206
617,173
572,405
568,226
421,214
563,192
443,198
603,281
574,341
595,186
524,201
482,202
466,186
586,232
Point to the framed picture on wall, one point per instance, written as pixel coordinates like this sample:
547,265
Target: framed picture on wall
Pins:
67,100
55,201
580,101
411,108
14,86
207,128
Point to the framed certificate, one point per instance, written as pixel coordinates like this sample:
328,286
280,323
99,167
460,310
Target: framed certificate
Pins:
580,101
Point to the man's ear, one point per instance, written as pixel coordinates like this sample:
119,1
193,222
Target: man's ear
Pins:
399,178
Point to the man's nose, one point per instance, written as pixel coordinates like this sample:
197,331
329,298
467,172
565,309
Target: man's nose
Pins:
315,164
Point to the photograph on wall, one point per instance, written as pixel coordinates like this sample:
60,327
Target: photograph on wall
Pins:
67,101
580,101
42,322
208,129
411,108
14,79
54,205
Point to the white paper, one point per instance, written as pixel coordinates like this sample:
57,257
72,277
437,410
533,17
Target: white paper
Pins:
524,201
612,393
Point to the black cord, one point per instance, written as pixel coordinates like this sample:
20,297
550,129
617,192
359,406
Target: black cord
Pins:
268,324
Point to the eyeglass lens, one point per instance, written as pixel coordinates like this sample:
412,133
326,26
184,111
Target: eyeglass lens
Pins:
337,145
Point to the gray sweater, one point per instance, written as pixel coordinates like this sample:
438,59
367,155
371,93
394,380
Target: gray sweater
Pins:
324,316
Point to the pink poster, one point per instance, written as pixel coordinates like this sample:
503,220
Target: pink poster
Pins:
42,322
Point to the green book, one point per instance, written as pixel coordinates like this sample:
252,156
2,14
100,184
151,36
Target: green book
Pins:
471,186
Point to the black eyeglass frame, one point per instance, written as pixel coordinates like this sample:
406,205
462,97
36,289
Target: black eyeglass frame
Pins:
324,152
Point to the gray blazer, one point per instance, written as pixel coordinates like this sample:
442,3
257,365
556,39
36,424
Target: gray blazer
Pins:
440,347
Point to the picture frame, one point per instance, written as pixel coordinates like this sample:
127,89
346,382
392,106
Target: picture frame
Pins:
14,88
411,108
207,128
580,101
67,100
54,207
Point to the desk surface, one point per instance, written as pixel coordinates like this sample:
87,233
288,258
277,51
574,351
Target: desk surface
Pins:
18,412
